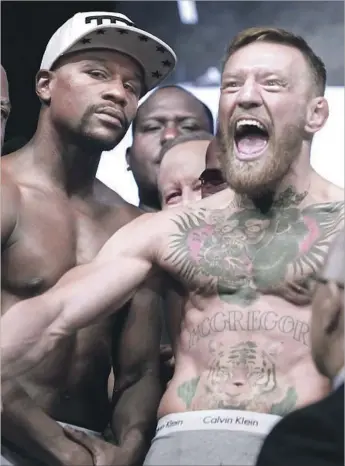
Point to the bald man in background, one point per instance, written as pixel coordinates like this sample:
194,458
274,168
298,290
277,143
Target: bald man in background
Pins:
182,162
315,434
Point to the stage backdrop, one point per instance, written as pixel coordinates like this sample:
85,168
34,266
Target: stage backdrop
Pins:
327,151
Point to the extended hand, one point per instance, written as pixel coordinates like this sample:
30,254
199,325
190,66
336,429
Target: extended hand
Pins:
103,453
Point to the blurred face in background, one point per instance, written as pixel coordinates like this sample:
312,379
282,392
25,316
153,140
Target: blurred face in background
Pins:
180,170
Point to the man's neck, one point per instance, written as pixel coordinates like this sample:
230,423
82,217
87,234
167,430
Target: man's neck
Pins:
69,165
149,201
289,192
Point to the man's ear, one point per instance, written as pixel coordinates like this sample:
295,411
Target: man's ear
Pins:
128,158
317,115
44,82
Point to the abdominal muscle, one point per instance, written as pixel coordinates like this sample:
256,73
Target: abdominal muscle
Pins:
255,358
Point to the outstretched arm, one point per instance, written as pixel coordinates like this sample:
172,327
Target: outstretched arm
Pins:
31,328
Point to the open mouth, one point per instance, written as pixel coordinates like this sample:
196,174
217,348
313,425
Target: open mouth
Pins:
251,138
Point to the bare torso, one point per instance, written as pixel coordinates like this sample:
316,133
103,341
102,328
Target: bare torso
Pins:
243,341
54,233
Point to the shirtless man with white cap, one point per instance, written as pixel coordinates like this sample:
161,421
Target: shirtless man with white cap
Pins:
241,260
56,215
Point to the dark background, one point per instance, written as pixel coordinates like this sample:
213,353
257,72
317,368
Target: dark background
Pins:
26,28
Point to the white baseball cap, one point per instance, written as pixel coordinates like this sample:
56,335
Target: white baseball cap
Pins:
107,30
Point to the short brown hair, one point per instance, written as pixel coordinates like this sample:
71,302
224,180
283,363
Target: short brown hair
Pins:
280,36
189,137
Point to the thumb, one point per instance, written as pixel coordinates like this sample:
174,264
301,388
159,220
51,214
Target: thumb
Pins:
80,437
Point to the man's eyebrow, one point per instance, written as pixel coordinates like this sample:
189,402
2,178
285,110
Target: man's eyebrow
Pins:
104,61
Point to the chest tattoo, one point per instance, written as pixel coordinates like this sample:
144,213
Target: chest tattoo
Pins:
237,254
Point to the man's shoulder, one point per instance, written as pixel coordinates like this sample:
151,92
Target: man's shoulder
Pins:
325,191
10,190
114,203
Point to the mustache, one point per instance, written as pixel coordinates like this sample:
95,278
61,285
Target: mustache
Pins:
117,112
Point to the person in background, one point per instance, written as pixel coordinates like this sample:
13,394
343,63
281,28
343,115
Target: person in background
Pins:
182,162
212,179
5,104
167,113
315,434
56,215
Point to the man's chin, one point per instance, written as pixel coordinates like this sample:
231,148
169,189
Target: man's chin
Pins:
103,144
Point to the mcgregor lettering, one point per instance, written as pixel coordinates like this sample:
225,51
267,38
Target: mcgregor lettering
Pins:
250,321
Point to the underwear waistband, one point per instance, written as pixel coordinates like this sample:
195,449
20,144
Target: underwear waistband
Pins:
218,419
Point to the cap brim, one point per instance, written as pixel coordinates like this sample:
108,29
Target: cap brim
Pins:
157,59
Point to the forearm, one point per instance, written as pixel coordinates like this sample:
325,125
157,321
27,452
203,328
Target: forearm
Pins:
29,429
134,416
26,336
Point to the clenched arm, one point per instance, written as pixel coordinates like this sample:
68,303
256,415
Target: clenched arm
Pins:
137,389
31,328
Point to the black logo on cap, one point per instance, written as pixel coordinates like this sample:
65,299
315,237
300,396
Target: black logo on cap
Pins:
113,19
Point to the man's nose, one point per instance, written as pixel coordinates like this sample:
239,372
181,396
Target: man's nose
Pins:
190,195
249,96
116,93
169,133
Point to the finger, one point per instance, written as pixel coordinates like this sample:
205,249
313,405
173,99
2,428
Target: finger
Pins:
80,437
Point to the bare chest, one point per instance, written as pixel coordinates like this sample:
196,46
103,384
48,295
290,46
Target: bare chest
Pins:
50,238
240,255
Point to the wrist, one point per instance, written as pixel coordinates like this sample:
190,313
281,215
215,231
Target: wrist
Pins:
62,449
133,446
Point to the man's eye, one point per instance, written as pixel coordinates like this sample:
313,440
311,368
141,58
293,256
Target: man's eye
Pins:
147,129
133,89
273,83
98,74
230,85
190,127
170,198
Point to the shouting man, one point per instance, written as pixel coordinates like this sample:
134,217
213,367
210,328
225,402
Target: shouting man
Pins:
240,260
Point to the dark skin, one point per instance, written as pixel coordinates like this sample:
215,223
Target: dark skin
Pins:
56,215
167,113
5,104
